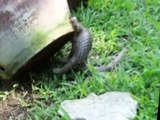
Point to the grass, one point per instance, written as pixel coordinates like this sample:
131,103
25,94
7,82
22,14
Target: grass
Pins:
114,24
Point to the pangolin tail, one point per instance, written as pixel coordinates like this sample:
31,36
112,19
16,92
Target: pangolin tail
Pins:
113,63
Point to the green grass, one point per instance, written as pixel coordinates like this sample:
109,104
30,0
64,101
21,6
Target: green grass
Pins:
114,24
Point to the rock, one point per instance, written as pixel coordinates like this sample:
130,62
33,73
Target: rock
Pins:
109,106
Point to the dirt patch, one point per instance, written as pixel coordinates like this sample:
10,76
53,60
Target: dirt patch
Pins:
14,106
11,108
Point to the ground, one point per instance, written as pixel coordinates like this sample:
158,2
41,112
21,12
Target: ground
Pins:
115,24
11,108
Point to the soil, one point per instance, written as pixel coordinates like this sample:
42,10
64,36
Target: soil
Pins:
12,107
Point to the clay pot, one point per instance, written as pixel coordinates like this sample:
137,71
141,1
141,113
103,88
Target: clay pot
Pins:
28,27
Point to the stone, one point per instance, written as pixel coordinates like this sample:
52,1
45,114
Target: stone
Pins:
108,106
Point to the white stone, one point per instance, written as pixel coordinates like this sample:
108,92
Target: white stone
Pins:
108,106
